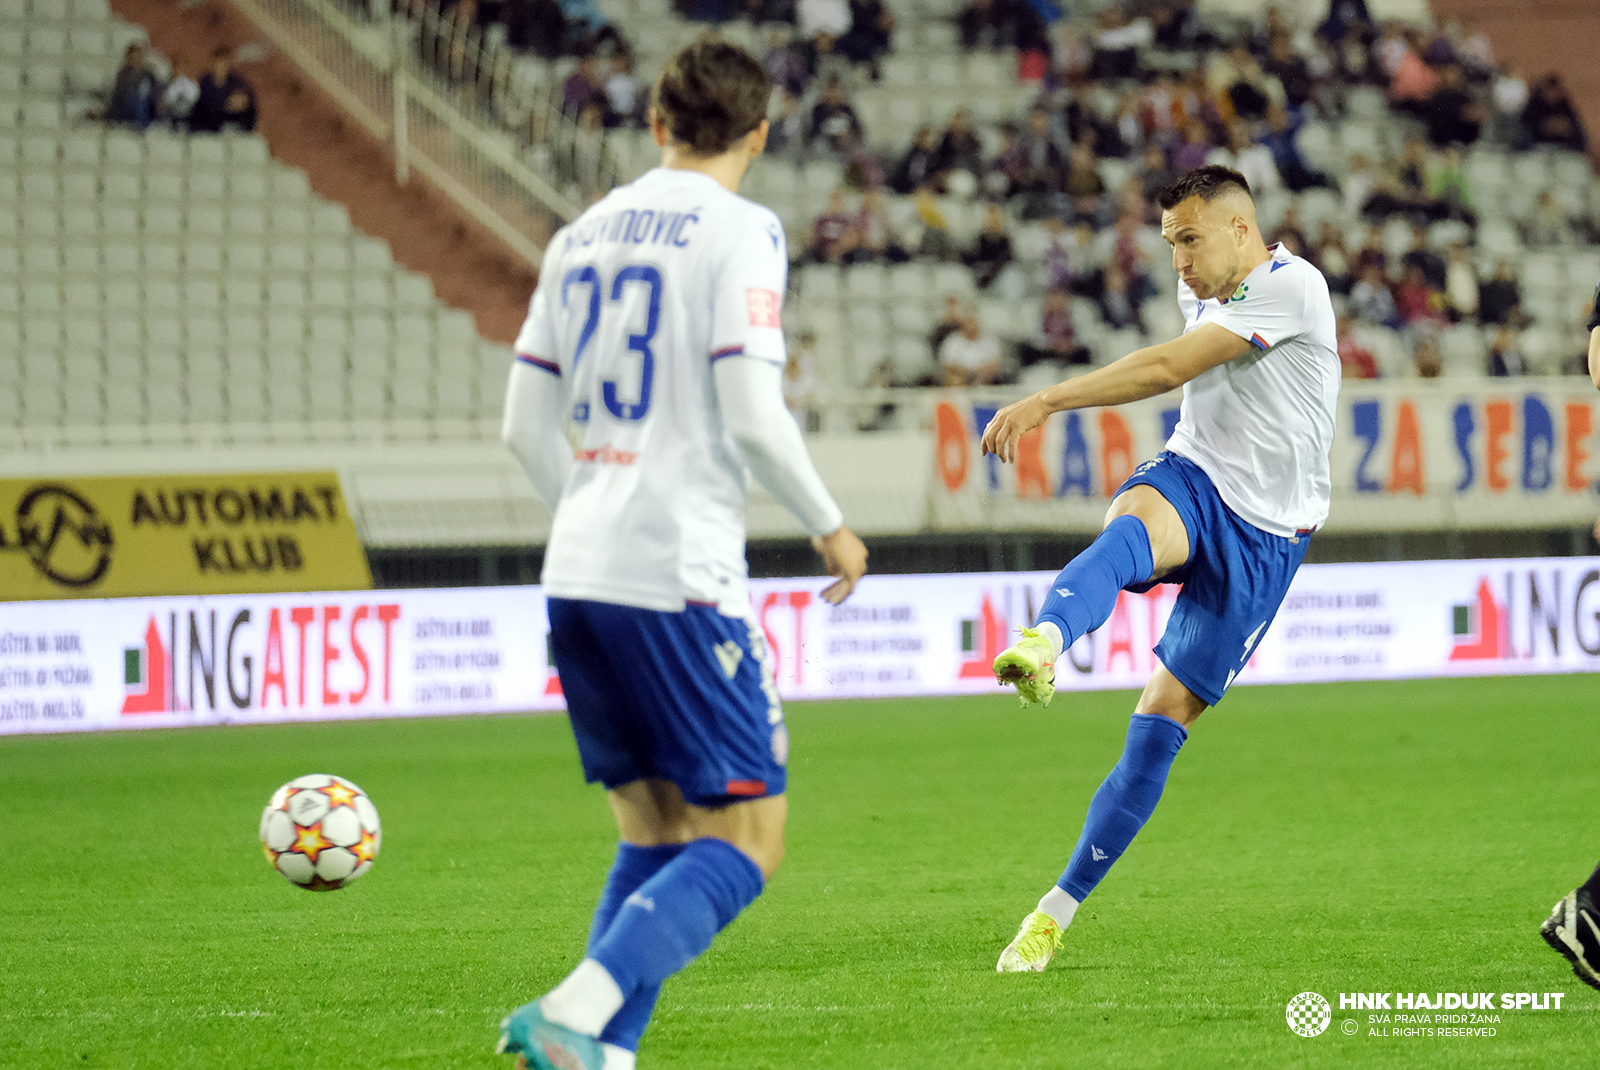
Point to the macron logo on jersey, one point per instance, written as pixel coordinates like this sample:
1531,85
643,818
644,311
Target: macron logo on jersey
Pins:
764,307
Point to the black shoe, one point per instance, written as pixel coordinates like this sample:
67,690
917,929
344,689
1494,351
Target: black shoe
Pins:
1573,928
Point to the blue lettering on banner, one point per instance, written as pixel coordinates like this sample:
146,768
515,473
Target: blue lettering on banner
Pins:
981,415
1366,418
1075,468
1169,422
1538,444
1465,426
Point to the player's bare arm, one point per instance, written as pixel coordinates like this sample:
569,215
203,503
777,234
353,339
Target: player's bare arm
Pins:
1144,373
1594,356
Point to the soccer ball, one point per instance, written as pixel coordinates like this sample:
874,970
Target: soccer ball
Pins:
321,832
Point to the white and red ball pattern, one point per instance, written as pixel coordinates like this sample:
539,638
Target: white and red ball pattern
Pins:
321,832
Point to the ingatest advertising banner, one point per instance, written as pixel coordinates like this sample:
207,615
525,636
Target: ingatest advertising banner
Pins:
154,662
1407,454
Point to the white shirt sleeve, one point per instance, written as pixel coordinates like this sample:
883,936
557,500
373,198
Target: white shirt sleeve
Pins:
747,294
750,397
534,426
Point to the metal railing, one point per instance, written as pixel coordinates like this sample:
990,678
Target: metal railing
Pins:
458,106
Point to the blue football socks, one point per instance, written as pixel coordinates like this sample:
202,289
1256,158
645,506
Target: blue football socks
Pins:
1085,592
1124,802
634,865
672,917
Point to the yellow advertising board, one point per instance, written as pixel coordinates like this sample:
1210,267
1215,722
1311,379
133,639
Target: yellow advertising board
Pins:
118,536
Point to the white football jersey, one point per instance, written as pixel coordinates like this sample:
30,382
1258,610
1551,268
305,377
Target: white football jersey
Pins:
637,297
1261,425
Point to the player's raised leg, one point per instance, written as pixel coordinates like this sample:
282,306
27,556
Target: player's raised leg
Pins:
1573,929
1144,538
1124,802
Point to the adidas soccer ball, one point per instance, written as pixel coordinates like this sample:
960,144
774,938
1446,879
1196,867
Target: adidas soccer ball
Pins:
321,832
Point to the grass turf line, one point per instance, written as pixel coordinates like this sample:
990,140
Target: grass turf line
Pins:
1381,837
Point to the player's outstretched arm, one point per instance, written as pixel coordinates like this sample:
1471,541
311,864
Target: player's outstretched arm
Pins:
750,399
1144,373
534,429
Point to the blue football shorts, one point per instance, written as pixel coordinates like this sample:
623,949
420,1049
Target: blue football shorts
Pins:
1233,582
688,697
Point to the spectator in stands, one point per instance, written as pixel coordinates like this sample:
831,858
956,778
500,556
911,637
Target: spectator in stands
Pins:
1332,258
1505,358
1345,17
536,26
1510,94
968,356
802,388
1290,69
1422,255
831,233
1549,224
960,148
1083,184
1001,24
1288,232
1241,88
1124,250
1056,340
785,65
872,236
583,88
1371,299
820,24
1551,118
1118,40
919,166
179,98
1411,80
225,99
935,243
1415,301
1195,149
1056,269
1119,305
954,311
833,120
136,91
1425,356
588,28
871,30
1460,285
1008,170
786,134
991,253
1500,299
1355,360
1279,139
1359,183
625,104
1176,26
1041,170
1448,189
1252,160
1071,57
1452,115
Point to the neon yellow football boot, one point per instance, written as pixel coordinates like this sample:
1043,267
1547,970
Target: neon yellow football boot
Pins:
1030,666
1035,945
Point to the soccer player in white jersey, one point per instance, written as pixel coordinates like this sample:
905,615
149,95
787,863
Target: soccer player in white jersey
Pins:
655,329
1227,509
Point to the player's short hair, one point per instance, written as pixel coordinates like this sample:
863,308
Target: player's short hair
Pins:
1208,183
711,94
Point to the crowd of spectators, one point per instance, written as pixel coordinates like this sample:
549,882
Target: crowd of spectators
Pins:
1160,94
201,102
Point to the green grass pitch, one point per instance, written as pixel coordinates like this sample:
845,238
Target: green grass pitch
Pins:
1358,837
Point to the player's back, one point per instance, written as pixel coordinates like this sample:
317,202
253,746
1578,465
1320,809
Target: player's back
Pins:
638,296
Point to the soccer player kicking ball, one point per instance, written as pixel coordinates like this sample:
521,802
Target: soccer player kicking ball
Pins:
1225,510
655,328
